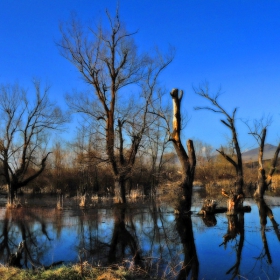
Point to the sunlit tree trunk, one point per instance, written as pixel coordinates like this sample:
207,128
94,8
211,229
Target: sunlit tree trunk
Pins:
234,202
264,181
188,161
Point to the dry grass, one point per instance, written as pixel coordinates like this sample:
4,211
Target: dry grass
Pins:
135,195
94,197
82,201
16,204
276,181
82,271
59,204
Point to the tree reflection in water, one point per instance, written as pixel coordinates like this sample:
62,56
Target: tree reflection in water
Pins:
169,248
121,246
209,220
191,263
148,236
264,212
123,239
23,225
160,239
235,228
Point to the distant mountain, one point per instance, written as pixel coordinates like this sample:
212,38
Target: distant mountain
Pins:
252,155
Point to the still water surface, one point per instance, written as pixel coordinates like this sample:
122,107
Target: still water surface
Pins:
149,235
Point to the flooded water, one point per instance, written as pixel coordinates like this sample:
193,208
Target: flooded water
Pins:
151,236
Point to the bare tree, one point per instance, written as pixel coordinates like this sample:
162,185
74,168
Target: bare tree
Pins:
109,63
188,161
258,131
235,159
25,124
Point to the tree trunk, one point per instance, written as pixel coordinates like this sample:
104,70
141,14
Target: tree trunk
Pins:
261,186
120,190
188,161
234,203
263,180
59,204
11,194
185,201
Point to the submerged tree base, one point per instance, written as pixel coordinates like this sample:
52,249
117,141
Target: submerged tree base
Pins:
209,207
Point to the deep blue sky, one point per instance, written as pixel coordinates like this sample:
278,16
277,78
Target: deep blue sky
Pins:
234,45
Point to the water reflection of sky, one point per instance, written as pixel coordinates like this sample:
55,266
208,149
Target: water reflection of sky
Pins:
69,235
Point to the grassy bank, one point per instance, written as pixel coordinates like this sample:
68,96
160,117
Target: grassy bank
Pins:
75,272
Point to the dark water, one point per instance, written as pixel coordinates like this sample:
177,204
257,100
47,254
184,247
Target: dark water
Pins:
149,235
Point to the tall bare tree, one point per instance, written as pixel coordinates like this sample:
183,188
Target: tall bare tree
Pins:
108,61
25,124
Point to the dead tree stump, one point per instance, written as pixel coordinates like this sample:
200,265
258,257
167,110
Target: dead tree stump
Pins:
234,203
208,207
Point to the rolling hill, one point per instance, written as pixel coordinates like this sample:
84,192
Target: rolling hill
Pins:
252,155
